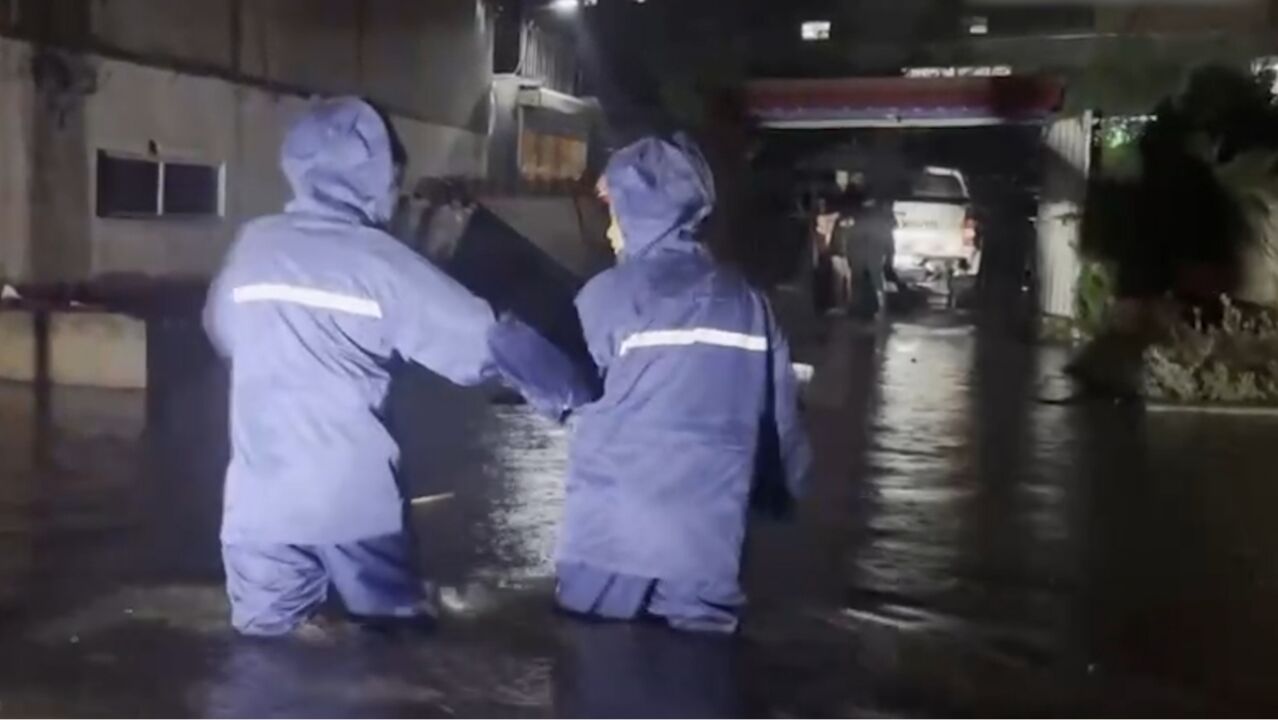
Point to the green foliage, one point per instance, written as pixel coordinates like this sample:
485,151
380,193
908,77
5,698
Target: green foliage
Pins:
1109,233
1119,141
1131,75
1250,179
1234,361
1185,204
1095,297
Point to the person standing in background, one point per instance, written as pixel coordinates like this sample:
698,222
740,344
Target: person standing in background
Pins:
866,238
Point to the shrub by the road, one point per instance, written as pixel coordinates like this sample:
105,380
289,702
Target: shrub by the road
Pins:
1232,361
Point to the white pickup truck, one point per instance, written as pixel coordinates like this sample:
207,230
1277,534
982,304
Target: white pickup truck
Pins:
936,230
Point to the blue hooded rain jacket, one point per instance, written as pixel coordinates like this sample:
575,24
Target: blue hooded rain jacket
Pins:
314,308
699,395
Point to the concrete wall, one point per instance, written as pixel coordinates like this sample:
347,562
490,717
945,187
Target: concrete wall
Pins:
41,185
430,59
137,107
17,346
309,43
426,59
85,349
15,170
202,32
49,231
441,150
97,350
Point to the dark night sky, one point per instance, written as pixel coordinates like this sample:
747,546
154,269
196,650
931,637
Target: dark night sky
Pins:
659,53
636,53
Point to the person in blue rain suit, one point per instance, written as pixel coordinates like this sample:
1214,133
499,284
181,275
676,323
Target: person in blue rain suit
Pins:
699,409
314,308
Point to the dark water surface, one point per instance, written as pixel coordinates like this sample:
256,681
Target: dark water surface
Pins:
966,549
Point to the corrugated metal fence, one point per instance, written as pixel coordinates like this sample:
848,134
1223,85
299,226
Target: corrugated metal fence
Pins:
1067,146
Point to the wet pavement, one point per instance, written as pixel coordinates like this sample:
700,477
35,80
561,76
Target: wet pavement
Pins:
970,546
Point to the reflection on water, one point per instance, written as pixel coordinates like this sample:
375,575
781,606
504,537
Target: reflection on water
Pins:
916,505
68,488
18,493
964,549
644,671
531,455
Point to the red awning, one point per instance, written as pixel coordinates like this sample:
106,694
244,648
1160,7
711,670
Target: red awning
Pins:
896,102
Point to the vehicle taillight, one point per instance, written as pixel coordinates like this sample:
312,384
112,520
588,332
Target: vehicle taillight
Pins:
969,231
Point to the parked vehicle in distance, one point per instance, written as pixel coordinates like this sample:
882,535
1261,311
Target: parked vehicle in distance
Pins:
937,235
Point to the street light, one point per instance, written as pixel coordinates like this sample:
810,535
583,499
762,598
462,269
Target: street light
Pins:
565,6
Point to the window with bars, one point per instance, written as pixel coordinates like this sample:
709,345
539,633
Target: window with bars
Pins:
143,187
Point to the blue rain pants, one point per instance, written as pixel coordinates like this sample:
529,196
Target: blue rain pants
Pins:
692,606
274,587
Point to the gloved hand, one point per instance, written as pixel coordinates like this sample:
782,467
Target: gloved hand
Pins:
551,381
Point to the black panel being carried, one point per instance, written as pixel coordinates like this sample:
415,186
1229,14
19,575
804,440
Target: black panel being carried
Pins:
502,266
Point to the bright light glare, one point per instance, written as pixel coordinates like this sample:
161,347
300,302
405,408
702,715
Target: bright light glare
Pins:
565,6
814,30
1269,65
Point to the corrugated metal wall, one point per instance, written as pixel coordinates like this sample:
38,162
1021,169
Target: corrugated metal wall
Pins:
550,58
1067,146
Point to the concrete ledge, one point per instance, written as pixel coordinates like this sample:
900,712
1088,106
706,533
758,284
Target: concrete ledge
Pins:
17,346
85,349
1263,411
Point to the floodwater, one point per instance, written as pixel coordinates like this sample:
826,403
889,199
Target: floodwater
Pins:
970,546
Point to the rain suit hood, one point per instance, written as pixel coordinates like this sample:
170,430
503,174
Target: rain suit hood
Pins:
341,161
662,191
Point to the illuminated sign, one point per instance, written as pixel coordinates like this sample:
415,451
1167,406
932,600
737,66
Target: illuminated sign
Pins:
815,30
951,72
